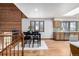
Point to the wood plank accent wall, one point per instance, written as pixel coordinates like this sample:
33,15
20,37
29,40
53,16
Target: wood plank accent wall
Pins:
10,17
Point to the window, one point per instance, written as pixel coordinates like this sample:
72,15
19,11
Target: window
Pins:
37,26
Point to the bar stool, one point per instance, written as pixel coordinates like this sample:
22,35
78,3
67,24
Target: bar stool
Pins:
36,39
27,38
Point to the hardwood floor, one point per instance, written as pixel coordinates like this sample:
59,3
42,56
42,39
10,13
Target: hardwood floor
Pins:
55,48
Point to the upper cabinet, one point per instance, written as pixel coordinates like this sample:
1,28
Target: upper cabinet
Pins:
66,26
56,24
73,26
77,26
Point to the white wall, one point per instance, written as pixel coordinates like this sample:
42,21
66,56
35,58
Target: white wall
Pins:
48,27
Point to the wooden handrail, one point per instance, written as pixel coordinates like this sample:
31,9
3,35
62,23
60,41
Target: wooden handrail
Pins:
9,45
16,41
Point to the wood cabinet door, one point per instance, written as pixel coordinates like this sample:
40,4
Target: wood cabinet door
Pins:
62,37
54,35
57,36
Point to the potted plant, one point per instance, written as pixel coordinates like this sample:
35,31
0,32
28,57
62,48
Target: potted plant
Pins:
30,28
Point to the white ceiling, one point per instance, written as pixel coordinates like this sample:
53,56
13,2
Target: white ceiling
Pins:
46,10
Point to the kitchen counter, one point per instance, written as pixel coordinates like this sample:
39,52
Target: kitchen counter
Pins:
74,47
76,44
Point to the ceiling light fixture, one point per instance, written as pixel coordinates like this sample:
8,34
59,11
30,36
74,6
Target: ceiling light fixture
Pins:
73,12
35,9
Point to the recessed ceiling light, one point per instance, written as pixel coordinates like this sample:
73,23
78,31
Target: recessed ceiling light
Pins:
35,9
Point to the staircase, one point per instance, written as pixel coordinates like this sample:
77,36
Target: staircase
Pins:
8,49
